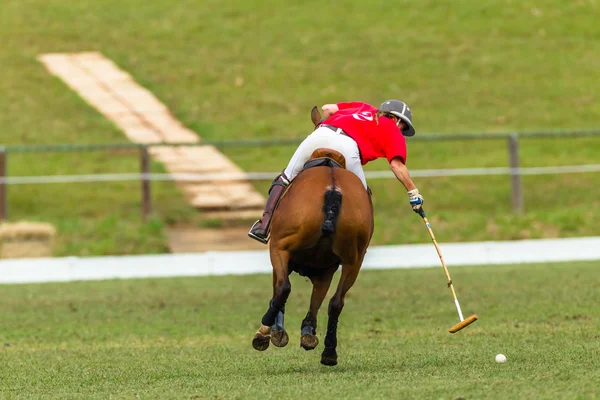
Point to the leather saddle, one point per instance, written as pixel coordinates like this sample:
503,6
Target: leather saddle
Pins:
327,158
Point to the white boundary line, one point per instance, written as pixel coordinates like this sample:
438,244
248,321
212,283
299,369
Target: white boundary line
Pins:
253,262
20,180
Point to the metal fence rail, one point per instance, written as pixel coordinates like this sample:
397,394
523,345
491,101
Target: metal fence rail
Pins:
267,176
513,169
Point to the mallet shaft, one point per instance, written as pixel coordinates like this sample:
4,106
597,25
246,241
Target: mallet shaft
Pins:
463,322
459,310
437,248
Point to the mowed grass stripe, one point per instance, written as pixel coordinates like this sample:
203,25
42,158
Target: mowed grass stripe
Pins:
180,338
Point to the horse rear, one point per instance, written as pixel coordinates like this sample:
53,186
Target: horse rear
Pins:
326,210
324,220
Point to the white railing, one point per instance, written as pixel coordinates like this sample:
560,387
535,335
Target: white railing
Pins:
146,178
258,176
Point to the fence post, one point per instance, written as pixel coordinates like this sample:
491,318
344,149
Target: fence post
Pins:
515,174
146,195
3,185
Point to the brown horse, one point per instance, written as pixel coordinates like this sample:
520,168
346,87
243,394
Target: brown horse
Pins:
324,220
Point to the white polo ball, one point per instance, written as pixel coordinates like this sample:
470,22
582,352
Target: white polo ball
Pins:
500,358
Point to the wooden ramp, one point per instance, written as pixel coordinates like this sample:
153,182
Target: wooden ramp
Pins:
144,119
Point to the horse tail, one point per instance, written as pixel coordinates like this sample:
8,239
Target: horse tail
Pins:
331,208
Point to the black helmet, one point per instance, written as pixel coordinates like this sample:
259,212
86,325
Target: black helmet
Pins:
400,110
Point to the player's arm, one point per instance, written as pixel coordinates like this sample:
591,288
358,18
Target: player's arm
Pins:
401,172
330,109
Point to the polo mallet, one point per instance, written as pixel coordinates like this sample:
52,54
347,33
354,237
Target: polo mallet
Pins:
463,322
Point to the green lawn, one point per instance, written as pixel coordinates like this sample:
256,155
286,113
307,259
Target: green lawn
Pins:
190,337
463,67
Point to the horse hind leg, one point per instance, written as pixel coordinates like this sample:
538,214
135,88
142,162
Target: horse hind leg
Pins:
281,291
309,339
349,274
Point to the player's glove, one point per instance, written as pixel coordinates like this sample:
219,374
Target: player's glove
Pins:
416,200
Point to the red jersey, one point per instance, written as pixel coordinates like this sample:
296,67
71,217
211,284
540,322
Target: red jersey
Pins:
374,140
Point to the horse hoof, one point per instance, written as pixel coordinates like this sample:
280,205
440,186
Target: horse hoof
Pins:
308,341
260,342
329,357
279,337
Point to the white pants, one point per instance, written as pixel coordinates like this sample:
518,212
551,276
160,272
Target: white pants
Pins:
325,137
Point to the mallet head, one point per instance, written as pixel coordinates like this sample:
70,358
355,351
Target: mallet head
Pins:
466,322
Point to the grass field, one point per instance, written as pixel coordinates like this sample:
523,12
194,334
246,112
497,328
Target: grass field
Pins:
190,338
463,67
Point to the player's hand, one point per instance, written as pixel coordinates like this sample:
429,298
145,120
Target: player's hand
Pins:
329,110
416,200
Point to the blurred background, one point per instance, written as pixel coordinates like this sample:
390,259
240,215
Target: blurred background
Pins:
492,85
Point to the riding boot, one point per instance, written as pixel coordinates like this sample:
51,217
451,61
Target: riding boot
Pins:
260,229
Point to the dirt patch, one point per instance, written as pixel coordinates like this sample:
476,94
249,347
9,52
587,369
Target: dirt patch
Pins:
197,240
26,239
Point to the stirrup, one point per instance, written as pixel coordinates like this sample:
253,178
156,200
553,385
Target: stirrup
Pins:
255,237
